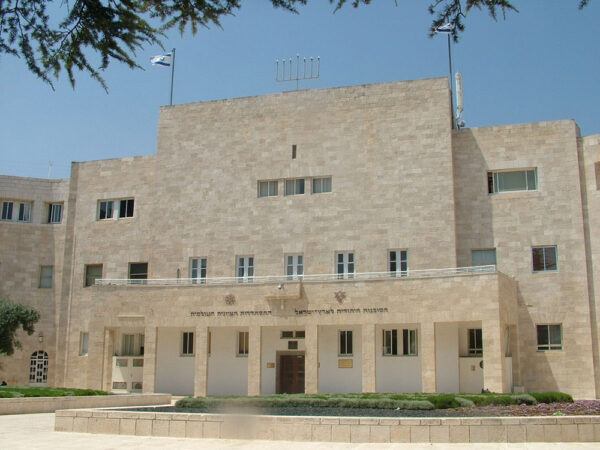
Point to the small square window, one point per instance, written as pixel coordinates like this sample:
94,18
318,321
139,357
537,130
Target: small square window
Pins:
267,188
321,185
46,273
345,348
544,259
83,343
294,187
138,273
485,257
93,272
55,212
292,345
187,343
242,344
549,337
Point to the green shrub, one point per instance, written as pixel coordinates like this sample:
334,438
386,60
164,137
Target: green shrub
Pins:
551,397
524,398
444,401
465,402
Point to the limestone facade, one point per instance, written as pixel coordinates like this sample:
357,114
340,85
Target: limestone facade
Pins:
401,180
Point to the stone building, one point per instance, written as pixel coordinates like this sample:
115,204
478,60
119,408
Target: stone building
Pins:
336,240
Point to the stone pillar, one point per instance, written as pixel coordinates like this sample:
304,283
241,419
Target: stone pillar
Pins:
494,375
108,352
201,361
311,361
369,369
149,381
254,359
427,344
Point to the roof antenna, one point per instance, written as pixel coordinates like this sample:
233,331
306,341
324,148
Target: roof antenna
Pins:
308,73
459,101
49,168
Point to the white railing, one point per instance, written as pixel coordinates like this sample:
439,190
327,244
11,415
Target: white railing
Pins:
277,279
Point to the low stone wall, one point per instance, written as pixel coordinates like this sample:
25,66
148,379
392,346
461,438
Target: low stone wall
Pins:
333,429
25,405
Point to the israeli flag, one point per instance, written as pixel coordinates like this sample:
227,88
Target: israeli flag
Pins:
447,28
161,60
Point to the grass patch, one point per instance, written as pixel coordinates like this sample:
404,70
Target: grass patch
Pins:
30,391
552,397
415,401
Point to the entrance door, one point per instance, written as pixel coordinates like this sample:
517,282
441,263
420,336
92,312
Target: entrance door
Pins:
291,374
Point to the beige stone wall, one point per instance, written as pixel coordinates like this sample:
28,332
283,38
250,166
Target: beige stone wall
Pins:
514,222
24,248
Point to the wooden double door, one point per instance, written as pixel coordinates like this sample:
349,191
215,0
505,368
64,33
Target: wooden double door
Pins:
291,374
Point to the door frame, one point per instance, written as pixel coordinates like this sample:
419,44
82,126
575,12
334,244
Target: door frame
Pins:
278,355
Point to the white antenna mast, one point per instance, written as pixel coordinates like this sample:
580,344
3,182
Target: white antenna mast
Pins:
459,100
49,168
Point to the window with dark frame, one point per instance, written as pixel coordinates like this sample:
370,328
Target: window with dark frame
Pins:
126,208
390,342
23,211
268,188
138,273
243,342
294,187
544,259
321,185
398,263
46,274
475,341
345,343
55,212
187,344
93,272
198,270
549,337
345,265
409,342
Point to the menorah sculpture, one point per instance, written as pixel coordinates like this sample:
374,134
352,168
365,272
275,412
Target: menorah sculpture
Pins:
288,74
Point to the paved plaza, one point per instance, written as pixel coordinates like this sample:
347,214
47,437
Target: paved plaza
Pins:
36,431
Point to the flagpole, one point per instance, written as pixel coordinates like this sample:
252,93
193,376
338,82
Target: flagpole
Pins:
173,74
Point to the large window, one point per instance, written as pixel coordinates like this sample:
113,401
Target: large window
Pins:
544,259
475,341
484,257
390,342
294,187
93,272
187,343
345,265
16,211
294,267
245,269
138,273
198,270
55,212
398,263
321,185
115,209
46,273
242,343
514,180
409,342
549,337
267,188
345,343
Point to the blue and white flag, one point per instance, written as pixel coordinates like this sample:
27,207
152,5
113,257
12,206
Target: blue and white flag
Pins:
161,60
447,28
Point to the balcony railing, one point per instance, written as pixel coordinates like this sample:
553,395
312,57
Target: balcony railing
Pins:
276,279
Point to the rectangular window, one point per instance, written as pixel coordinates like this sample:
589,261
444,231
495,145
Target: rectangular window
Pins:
46,276
475,341
515,180
485,257
127,345
345,343
549,337
321,185
398,263
544,259
267,188
294,267
138,273
390,342
198,270
105,210
345,265
409,342
300,334
242,347
287,335
245,269
55,212
22,210
93,272
125,208
83,344
294,187
187,343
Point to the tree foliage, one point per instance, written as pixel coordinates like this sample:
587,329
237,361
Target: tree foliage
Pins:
13,316
52,36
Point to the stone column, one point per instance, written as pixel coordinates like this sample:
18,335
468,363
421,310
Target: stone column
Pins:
254,359
311,361
494,375
427,340
369,369
201,361
149,381
108,352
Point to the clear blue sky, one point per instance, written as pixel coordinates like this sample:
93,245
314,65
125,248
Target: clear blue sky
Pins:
542,63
